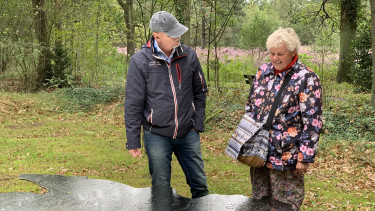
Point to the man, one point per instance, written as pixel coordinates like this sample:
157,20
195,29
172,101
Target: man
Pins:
166,95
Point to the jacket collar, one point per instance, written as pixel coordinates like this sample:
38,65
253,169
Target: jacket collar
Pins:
271,70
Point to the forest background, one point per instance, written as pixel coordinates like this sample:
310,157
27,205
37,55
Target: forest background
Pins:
63,67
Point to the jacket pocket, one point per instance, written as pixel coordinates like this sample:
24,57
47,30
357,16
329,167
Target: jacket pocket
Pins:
186,117
160,117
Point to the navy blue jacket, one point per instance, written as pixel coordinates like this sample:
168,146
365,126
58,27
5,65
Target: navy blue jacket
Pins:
166,99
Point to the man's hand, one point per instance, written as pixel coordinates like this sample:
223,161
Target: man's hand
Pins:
135,152
301,168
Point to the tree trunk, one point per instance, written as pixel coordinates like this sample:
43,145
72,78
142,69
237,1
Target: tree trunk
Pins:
372,3
209,43
216,62
130,30
96,70
3,60
203,31
58,24
186,14
348,26
40,20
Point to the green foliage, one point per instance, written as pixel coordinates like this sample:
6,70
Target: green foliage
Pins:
306,59
91,31
85,99
60,77
350,120
326,74
256,27
224,108
95,58
313,26
61,61
232,70
64,81
361,75
24,59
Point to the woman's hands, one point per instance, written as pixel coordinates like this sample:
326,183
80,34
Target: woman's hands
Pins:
301,168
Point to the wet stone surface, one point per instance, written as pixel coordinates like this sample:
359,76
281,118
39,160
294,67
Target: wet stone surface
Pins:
81,193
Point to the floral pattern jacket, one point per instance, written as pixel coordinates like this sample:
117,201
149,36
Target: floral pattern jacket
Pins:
294,134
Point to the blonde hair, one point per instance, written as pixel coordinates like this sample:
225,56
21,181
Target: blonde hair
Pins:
284,35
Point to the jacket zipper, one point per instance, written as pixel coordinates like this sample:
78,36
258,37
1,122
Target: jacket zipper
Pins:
174,91
174,100
178,70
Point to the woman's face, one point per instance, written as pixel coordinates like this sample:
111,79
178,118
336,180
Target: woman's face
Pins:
281,57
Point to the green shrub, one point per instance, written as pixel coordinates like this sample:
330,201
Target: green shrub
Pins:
351,121
60,77
85,99
361,75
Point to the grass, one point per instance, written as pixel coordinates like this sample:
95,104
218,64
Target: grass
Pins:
39,137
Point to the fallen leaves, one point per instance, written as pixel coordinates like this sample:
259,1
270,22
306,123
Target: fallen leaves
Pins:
347,169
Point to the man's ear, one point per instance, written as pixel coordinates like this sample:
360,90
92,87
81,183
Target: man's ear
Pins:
156,35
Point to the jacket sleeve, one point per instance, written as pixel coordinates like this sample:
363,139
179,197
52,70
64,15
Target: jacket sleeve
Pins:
310,101
134,103
199,94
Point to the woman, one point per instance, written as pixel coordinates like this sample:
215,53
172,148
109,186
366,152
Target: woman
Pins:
296,126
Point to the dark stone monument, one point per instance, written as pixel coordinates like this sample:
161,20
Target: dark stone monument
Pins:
81,193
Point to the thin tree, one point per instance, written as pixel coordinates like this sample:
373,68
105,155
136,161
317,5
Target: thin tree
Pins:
186,22
203,41
127,6
372,4
96,69
40,21
215,35
4,55
348,27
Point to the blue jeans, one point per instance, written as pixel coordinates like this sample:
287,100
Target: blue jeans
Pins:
187,149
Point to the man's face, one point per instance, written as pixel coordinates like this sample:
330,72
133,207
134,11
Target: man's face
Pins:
281,57
165,42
